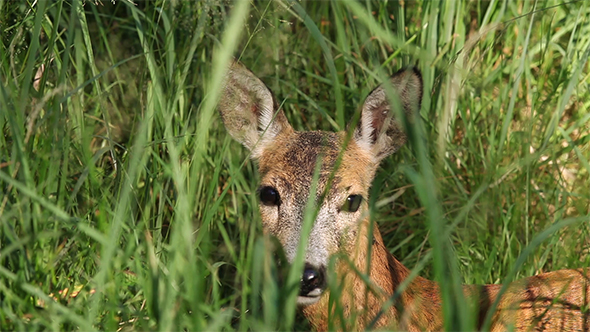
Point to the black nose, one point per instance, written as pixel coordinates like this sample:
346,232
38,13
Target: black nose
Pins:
311,279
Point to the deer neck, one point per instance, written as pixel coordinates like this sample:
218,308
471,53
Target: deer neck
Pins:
418,307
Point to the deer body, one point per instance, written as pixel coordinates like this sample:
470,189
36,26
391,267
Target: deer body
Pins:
553,301
288,159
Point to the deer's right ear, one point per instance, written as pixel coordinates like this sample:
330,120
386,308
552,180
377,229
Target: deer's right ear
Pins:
248,111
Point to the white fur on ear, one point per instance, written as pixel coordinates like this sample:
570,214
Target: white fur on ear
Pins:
378,132
366,130
247,108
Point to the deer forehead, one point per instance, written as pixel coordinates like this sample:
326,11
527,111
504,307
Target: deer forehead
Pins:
291,161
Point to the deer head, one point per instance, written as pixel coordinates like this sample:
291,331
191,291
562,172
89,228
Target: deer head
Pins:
287,161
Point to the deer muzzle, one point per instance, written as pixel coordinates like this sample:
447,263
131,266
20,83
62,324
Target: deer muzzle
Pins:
312,285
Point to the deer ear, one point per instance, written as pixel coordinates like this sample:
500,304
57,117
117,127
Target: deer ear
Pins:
378,132
248,111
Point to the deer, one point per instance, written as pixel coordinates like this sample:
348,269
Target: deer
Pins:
287,161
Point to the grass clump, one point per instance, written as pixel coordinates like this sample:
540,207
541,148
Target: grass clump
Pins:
124,205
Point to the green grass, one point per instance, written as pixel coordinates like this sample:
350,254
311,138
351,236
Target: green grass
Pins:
118,180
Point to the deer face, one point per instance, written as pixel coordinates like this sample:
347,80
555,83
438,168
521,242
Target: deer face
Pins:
287,170
288,160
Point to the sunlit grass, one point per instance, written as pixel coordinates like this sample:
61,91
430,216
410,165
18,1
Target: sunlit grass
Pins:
125,205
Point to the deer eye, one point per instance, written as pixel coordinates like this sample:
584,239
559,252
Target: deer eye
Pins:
269,196
353,202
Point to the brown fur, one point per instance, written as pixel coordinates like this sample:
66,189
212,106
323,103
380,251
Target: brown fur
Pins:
555,301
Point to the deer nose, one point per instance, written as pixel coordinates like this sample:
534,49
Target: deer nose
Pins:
313,281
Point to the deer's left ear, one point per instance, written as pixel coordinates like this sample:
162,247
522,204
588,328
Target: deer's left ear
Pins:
378,132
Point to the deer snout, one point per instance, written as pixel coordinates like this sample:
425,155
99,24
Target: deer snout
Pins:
313,281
